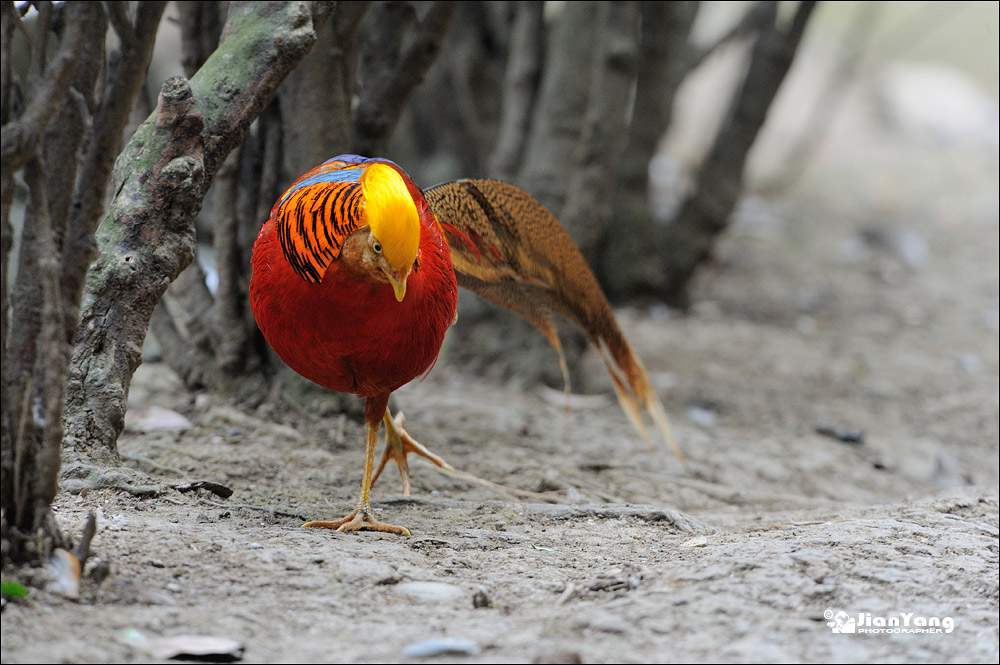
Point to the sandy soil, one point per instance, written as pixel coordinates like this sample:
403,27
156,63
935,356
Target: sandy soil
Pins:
864,300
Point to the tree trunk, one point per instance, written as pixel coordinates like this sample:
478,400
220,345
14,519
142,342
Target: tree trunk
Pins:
688,240
665,60
33,403
587,210
315,99
520,88
147,236
557,122
398,49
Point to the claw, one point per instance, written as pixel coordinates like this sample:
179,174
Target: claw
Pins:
399,444
357,521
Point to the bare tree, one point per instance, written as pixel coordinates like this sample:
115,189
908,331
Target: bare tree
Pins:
64,112
667,55
520,88
399,47
688,239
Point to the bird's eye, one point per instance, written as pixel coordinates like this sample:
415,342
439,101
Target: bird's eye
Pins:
377,247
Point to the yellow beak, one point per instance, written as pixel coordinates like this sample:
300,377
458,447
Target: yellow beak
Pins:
398,281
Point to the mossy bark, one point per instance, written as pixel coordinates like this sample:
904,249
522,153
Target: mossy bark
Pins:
147,237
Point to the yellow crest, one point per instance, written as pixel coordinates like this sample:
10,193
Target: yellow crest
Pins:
391,214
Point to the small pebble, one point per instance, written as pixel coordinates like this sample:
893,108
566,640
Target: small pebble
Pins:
441,646
847,435
702,416
429,592
480,599
806,325
970,363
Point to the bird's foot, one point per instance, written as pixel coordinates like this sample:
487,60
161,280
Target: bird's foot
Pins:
399,444
357,520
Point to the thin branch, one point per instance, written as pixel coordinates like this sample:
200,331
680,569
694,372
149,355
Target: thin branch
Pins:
548,497
382,102
36,378
743,28
117,12
705,213
82,549
827,103
230,297
671,519
39,45
10,22
71,126
19,138
273,512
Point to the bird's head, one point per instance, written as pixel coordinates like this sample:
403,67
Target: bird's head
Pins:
393,225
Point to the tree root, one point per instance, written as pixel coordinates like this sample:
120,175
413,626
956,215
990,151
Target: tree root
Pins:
81,475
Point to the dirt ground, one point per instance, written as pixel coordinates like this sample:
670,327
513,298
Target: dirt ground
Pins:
864,300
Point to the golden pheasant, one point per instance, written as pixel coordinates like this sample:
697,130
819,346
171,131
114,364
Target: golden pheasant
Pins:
354,284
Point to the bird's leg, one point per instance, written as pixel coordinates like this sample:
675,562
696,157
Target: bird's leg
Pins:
361,517
399,444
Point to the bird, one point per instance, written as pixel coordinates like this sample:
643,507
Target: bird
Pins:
354,283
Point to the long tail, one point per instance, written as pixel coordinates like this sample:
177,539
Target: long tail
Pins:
511,251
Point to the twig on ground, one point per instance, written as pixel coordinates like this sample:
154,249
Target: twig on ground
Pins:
82,549
215,488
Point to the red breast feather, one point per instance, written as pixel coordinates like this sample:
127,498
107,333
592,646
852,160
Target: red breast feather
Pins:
349,333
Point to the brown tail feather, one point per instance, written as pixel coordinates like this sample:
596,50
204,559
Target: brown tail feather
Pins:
511,251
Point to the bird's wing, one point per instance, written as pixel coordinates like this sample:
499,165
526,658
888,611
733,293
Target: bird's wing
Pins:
317,213
511,251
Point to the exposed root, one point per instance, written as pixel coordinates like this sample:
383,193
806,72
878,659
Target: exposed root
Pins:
84,475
